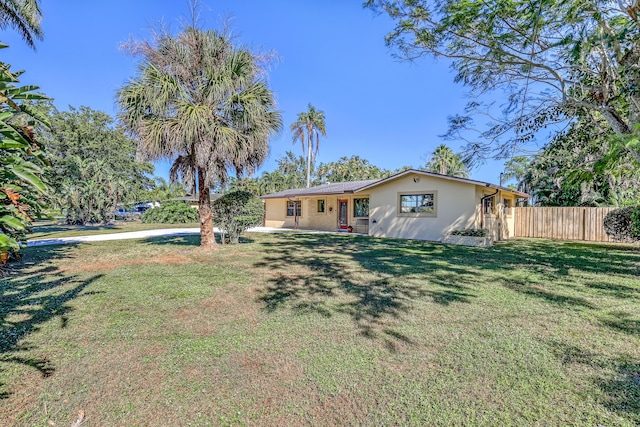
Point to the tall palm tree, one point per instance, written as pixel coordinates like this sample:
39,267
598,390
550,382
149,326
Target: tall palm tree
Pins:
444,161
24,16
200,101
309,126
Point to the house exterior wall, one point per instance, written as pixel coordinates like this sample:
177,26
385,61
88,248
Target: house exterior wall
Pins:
311,219
499,223
456,207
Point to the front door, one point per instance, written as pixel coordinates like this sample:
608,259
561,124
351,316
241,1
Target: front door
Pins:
343,213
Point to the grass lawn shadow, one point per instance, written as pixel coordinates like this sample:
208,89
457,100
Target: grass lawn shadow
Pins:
621,384
316,274
187,240
31,294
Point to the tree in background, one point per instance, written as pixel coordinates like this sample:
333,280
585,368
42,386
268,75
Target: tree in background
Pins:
22,160
290,174
163,190
24,16
307,128
584,167
201,102
445,162
249,185
516,169
175,212
93,166
555,59
352,168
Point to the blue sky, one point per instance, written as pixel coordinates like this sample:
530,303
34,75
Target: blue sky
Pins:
331,54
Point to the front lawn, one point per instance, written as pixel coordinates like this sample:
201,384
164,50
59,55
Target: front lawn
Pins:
294,329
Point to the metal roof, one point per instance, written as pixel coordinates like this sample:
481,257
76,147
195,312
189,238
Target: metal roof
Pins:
357,186
449,177
320,190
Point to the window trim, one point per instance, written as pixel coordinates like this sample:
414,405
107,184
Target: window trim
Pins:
433,214
295,202
507,211
354,206
324,206
492,211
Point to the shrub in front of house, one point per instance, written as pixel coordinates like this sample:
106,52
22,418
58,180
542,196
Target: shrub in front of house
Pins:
171,213
237,211
623,224
473,232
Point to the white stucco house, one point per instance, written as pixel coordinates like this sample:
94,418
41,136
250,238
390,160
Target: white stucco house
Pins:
412,204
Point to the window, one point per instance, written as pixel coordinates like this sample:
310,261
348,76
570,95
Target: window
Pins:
360,208
421,204
294,208
321,205
506,203
487,205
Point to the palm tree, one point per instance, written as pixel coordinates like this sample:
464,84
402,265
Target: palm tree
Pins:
163,190
24,16
517,168
200,101
309,125
444,161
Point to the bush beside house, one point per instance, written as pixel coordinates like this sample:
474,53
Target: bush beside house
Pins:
171,213
235,212
623,224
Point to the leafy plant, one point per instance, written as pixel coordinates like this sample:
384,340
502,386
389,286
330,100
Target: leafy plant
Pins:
623,224
237,211
473,232
21,160
94,166
171,213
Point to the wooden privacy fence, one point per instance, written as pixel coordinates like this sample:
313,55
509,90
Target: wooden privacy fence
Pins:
571,223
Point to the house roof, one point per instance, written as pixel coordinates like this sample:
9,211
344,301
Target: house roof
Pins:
448,177
357,186
321,190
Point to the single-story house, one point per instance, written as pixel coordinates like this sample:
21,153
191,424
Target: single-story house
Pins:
412,204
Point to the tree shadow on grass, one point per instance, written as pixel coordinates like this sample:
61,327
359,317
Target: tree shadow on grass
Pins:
187,240
34,292
621,385
623,390
318,274
385,275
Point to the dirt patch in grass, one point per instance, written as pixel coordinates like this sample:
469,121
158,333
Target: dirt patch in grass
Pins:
76,267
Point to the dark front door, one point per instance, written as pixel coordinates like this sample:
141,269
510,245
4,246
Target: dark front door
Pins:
343,213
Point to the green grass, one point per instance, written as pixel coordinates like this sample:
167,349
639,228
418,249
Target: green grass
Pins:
322,330
48,229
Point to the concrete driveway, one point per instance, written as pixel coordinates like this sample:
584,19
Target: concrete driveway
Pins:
150,233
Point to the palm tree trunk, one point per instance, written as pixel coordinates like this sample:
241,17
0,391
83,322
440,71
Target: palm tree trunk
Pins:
309,162
207,237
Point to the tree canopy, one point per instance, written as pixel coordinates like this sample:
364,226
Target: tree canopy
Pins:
580,167
444,161
353,168
93,167
555,60
203,103
23,15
